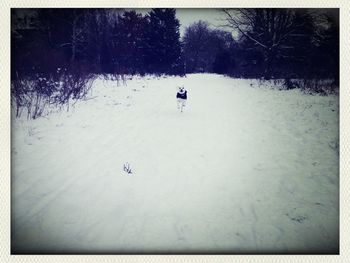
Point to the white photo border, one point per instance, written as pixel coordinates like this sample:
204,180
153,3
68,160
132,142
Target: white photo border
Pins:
5,128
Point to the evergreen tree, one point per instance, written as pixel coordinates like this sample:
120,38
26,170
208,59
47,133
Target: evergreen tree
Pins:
162,50
131,32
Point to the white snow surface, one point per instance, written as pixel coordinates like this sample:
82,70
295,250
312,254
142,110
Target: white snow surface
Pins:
244,169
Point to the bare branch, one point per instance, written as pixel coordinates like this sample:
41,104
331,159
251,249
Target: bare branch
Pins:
235,24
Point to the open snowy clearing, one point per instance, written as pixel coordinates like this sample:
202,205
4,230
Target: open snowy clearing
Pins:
244,169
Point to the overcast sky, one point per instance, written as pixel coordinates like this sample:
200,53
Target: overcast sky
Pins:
214,17
187,16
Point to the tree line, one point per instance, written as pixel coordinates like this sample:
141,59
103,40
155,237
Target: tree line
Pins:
98,40
271,43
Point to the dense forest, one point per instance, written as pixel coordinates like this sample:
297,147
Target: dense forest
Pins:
71,46
276,43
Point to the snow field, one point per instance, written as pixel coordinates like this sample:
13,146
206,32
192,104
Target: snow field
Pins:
244,169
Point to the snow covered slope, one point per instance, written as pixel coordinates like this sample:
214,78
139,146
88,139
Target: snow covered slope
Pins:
244,169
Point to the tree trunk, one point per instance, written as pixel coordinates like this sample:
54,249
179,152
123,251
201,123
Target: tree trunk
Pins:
269,55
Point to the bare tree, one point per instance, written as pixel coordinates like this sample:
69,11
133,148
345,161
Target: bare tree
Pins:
195,42
202,44
66,28
270,30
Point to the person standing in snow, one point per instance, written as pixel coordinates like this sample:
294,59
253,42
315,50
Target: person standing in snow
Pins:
181,98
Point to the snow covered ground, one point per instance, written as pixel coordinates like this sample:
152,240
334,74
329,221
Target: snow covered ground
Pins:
244,169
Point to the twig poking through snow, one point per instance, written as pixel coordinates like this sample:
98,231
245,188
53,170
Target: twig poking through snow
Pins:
127,168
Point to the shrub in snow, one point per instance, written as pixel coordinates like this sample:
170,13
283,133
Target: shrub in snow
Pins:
119,78
73,86
30,95
35,94
309,86
320,86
